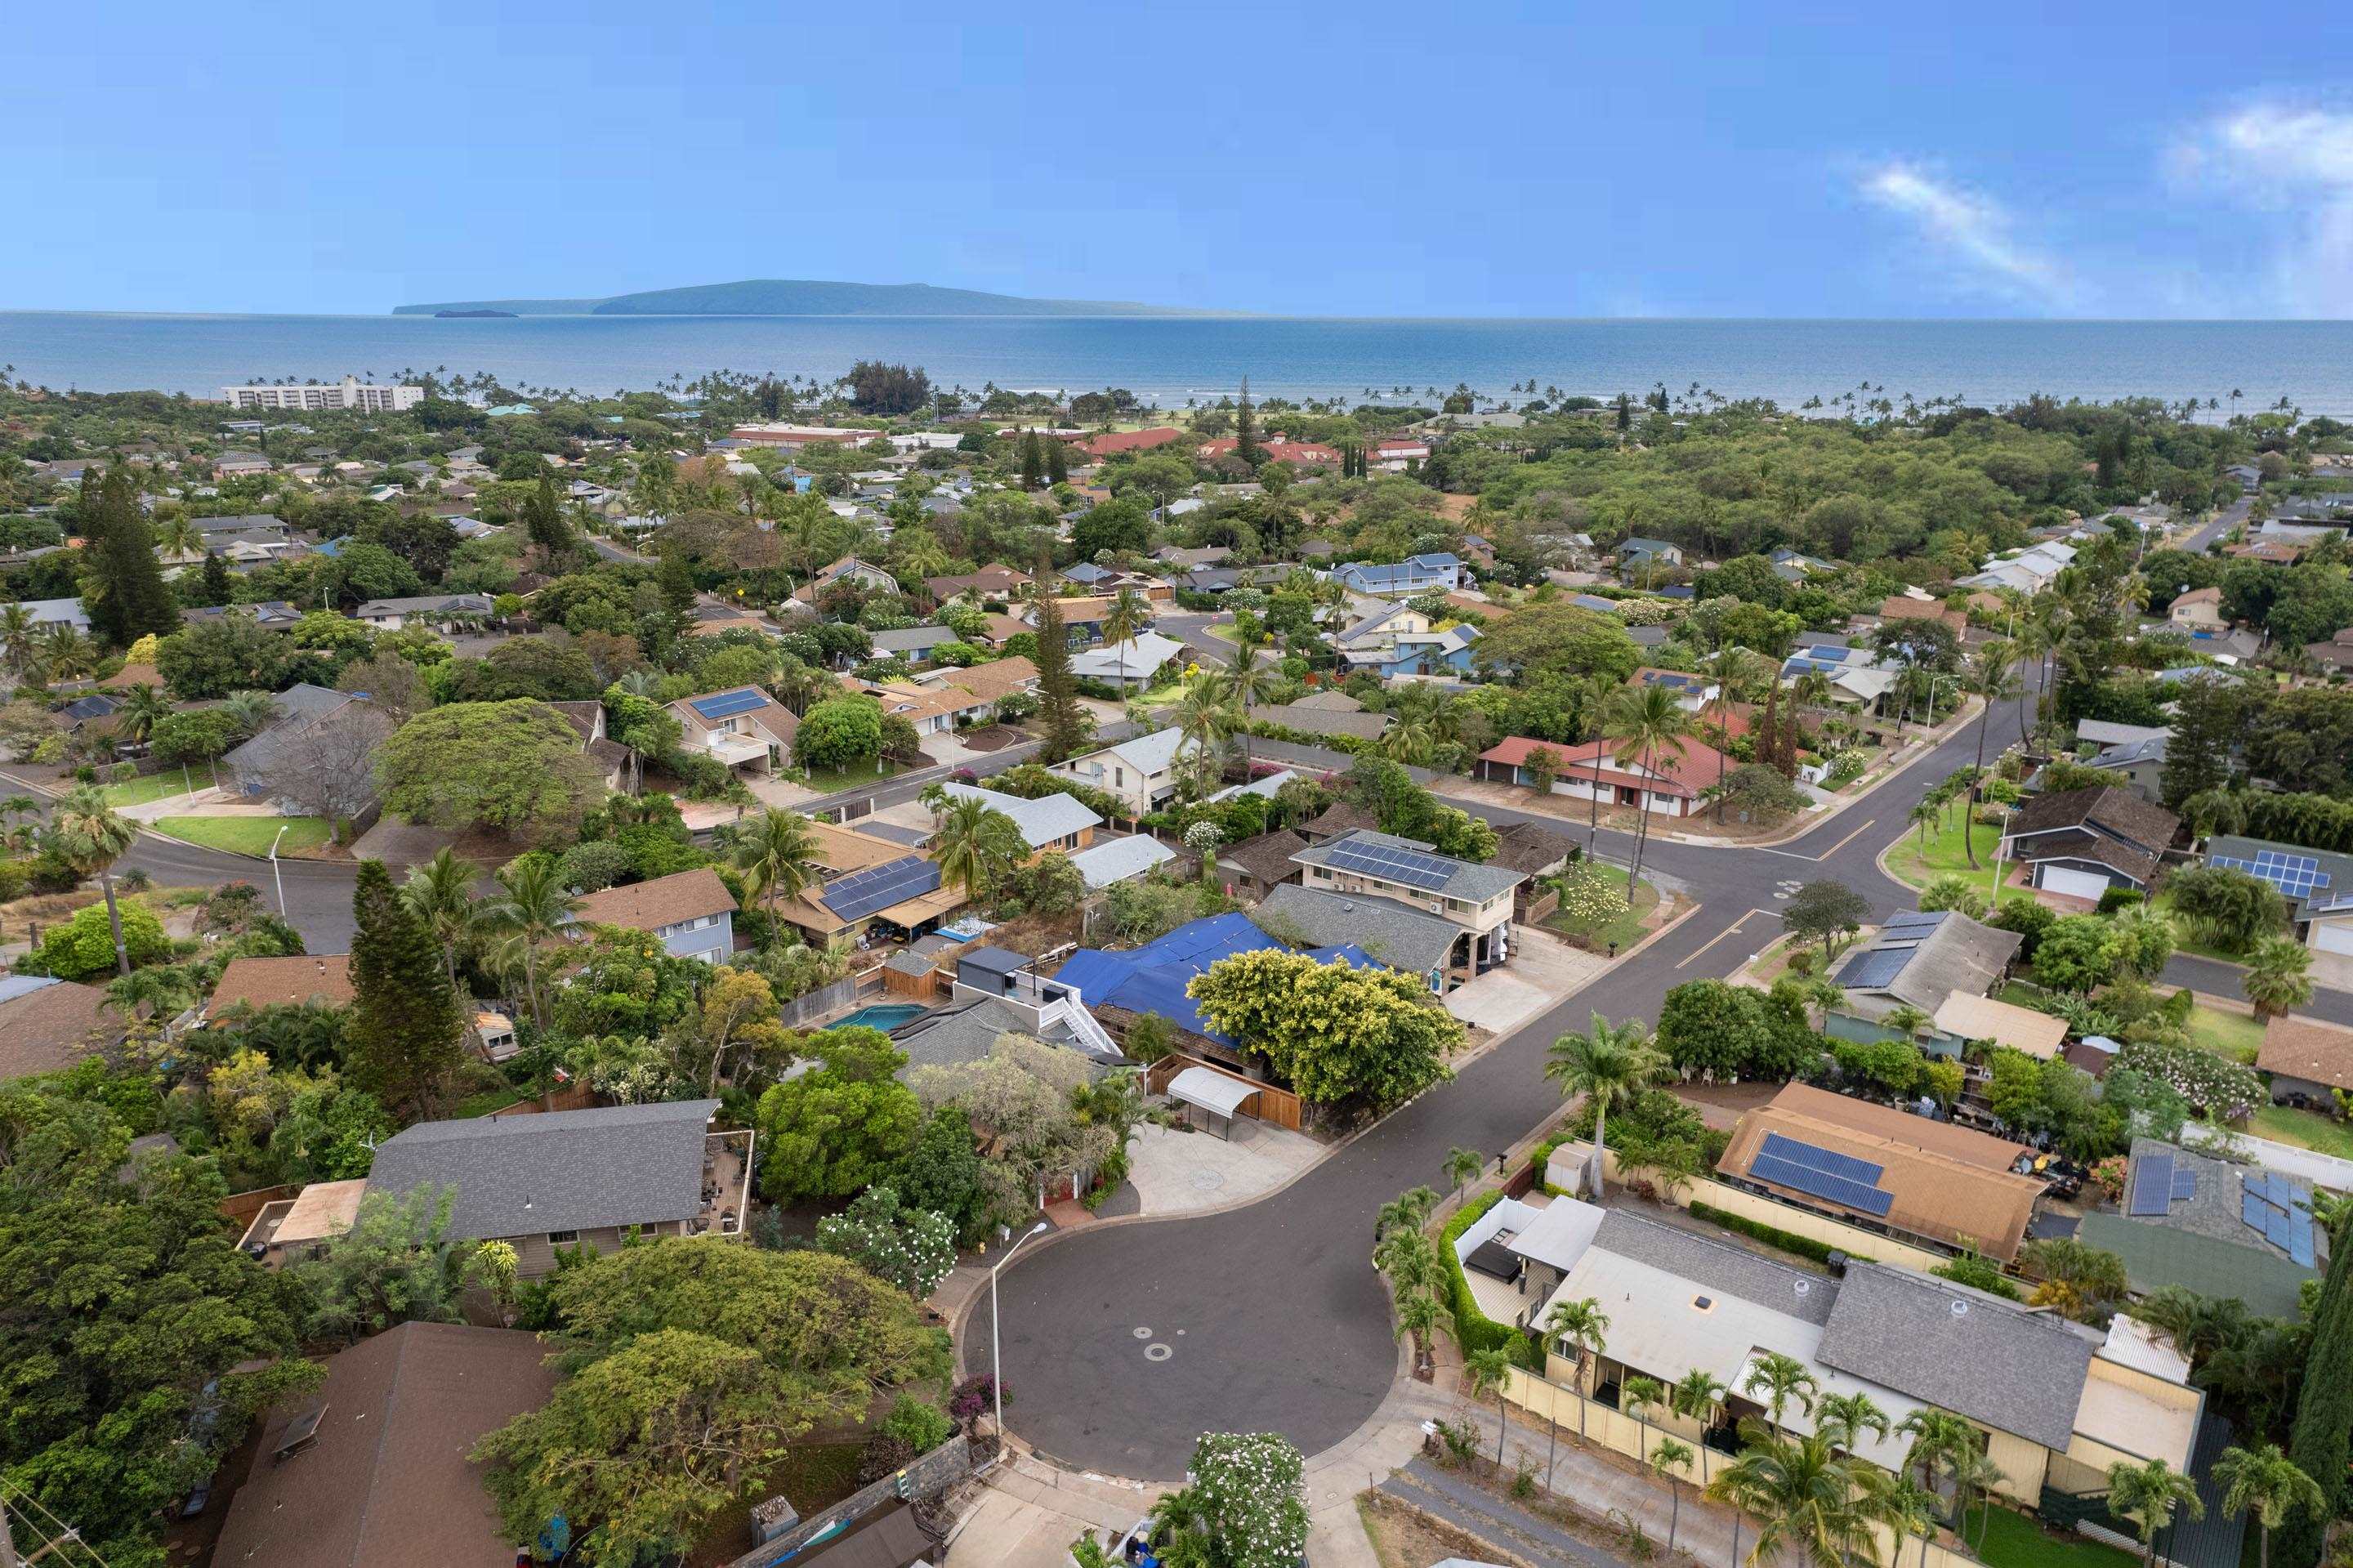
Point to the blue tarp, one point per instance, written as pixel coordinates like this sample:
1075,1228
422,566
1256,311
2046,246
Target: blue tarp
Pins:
1152,978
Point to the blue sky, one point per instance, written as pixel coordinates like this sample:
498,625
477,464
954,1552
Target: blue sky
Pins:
2097,158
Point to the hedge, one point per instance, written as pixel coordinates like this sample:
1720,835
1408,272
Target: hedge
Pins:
1804,1247
1473,1330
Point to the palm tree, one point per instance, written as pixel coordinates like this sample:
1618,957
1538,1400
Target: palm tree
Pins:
250,712
1697,1396
68,653
777,852
1670,1460
1908,1508
142,705
1582,1327
1808,1500
87,836
2149,1495
1608,1065
1782,1379
1907,1020
178,537
1988,675
2266,1483
1642,722
1730,671
1843,1418
531,909
1203,715
1409,1210
19,640
1937,1436
1637,1395
1973,1471
1424,1317
1411,738
2276,981
963,845
1491,1370
1125,616
440,893
1922,815
1463,1165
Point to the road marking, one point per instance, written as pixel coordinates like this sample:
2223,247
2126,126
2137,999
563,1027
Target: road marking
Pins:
1720,936
1826,854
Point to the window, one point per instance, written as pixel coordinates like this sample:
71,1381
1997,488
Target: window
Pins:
562,1239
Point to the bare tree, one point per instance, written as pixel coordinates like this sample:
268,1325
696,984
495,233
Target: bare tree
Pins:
326,768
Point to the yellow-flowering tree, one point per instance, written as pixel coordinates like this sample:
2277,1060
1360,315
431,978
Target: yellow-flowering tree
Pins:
1331,1032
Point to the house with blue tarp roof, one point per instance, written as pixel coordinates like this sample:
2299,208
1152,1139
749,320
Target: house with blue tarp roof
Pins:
1153,977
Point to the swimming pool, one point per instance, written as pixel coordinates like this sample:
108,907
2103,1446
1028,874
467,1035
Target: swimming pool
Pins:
885,1016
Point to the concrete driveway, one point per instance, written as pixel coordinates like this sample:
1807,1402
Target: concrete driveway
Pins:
1543,970
1179,1173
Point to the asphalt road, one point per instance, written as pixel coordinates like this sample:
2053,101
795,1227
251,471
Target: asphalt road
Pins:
2230,517
1273,1317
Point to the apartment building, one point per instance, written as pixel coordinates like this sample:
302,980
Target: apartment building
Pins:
351,393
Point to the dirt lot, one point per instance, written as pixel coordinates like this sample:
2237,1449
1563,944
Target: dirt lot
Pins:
1405,1537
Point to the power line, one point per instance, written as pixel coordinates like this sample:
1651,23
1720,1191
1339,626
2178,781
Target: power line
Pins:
66,1535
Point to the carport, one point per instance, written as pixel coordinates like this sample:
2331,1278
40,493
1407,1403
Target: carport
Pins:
1200,1088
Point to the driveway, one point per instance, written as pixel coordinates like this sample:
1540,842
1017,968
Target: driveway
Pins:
1543,970
1177,1172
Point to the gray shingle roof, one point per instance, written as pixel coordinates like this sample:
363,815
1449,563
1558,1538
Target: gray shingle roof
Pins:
1923,959
1466,879
1044,820
1397,936
1718,1265
1991,1361
562,1171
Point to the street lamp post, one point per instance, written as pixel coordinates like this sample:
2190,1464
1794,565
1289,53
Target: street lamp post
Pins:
995,1329
277,873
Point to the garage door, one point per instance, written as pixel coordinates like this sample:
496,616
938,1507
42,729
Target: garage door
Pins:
2332,936
2076,884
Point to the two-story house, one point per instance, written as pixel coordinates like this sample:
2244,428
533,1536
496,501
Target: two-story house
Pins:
1476,898
742,726
2200,609
1142,772
691,912
1049,823
2081,842
1435,573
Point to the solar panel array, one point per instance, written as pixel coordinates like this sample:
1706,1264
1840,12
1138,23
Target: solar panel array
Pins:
2185,1185
2152,1186
1878,967
2296,876
1821,1172
1427,872
2274,1205
862,892
726,704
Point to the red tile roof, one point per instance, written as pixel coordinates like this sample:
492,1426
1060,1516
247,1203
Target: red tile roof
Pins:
1129,442
1687,770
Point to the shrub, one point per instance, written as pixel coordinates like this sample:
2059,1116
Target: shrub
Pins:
586,868
83,948
1803,1247
919,1423
1473,1330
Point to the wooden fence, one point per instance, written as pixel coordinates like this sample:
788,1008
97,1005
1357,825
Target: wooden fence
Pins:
1279,1107
240,1207
579,1097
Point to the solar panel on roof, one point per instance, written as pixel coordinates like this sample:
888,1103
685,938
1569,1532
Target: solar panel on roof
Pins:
1874,969
726,704
2296,876
2185,1185
2299,1242
2152,1185
1842,1189
1415,870
1815,1157
862,892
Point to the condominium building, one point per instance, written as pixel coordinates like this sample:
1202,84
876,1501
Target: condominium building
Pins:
350,393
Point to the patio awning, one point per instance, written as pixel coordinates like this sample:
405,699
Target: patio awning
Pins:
1212,1091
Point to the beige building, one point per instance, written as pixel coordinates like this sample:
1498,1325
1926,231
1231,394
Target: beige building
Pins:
351,393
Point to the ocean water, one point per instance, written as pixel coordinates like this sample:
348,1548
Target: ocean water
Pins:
1172,360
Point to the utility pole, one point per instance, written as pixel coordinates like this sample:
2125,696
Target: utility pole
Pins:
8,1555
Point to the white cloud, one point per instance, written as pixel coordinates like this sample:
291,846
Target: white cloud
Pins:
2292,163
1972,236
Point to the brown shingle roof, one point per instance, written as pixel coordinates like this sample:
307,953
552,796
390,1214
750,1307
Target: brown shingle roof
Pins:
272,982
387,1483
997,678
2137,822
2307,1048
1526,847
51,1027
1267,858
665,901
1341,817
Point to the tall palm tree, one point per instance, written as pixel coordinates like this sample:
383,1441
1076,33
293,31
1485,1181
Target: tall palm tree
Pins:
1608,1065
1125,616
1808,1502
66,652
1486,1372
89,837
1409,1210
2149,1495
1923,814
1783,1381
1423,1317
2266,1483
1990,677
1730,671
1908,1508
1583,1327
1642,722
1697,1396
178,537
19,640
1638,1396
1973,1471
1938,1437
142,705
1843,1418
1461,1166
1203,715
967,844
777,852
1672,1460
531,909
440,893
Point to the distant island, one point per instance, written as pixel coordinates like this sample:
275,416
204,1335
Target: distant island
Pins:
800,297
470,316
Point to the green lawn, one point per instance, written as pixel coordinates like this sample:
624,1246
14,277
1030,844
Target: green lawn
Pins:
487,1101
1220,630
2014,1540
856,776
1625,931
159,786
2233,1034
2304,1128
1909,863
247,835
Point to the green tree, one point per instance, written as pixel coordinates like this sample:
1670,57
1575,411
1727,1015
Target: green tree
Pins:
1606,1065
87,835
1671,1461
2074,1278
777,853
530,910
977,845
2149,1495
2264,1482
1991,678
440,893
839,1127
1462,1166
1826,912
1643,723
911,1248
511,766
1331,1032
85,948
2322,1434
838,732
1809,1502
1245,1505
396,1264
2232,909
404,1032
1581,1328
2278,979
126,591
1783,1381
